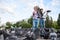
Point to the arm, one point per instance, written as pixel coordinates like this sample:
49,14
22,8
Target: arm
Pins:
33,14
46,13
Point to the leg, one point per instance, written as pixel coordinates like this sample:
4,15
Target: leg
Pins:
35,24
41,27
41,23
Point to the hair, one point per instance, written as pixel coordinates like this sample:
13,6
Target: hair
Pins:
36,7
39,10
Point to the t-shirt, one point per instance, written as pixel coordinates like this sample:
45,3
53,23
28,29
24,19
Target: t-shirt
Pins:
43,16
35,15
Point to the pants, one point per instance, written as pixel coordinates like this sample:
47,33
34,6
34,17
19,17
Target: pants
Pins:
41,27
35,24
41,23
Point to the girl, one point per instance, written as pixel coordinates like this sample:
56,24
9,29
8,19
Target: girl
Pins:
35,18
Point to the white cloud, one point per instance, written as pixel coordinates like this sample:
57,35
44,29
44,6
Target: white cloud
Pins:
7,6
40,3
55,2
8,9
31,3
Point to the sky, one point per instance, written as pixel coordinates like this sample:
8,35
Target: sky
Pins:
16,10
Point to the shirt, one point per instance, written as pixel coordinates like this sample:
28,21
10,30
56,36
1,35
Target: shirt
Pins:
44,15
35,15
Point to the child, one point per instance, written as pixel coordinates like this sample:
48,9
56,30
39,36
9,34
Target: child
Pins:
42,15
41,18
35,18
35,22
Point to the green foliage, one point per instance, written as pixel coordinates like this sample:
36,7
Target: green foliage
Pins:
8,25
48,22
16,24
58,21
22,24
30,20
55,25
25,25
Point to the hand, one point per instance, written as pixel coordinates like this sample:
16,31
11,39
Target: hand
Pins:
38,17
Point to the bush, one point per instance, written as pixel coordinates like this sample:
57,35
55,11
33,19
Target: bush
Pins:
25,25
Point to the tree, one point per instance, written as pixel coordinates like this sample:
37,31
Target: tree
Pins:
25,25
48,22
8,25
51,22
22,24
58,21
30,20
55,25
18,24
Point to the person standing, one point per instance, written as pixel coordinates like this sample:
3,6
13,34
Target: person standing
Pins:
41,17
35,22
35,18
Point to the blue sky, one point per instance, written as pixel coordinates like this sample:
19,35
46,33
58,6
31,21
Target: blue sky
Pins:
16,10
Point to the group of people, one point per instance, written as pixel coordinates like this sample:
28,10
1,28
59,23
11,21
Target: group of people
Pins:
38,17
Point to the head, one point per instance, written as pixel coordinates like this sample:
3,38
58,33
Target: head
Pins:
36,8
41,10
